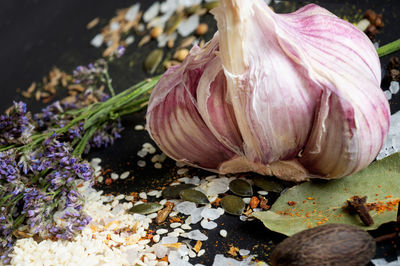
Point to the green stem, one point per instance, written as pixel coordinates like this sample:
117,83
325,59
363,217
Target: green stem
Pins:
389,48
80,148
108,81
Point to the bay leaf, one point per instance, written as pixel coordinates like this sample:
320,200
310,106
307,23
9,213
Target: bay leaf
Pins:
318,202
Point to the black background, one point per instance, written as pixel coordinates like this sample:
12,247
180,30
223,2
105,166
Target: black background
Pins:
39,34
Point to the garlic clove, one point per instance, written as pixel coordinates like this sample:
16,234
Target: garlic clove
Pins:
173,120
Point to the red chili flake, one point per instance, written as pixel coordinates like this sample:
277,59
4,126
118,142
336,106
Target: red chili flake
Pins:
108,181
292,203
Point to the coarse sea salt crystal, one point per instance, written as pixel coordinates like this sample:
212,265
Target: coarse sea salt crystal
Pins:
114,176
209,213
246,200
262,192
129,40
132,13
169,240
182,171
186,226
185,207
141,163
394,87
388,94
143,195
161,231
152,193
209,225
179,164
151,12
201,253
223,233
175,225
157,165
195,216
142,153
139,127
197,235
124,175
114,26
244,252
97,41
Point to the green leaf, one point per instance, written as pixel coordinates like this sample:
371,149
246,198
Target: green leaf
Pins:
320,202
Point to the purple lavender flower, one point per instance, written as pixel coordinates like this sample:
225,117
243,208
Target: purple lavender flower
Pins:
15,127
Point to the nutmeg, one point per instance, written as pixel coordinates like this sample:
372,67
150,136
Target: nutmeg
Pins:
330,244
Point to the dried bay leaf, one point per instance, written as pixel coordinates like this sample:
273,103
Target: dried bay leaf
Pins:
320,202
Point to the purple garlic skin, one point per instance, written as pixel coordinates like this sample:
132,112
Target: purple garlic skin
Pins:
292,95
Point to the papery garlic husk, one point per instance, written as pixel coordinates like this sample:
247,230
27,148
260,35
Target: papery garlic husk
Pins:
292,95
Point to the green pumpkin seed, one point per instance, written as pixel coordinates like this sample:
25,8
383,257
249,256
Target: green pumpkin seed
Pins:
268,184
210,5
146,208
194,196
172,192
241,187
233,204
172,23
153,60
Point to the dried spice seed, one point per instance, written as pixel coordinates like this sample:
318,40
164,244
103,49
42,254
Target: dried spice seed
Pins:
241,187
155,32
194,196
268,184
202,29
181,54
146,208
163,214
172,192
233,204
153,60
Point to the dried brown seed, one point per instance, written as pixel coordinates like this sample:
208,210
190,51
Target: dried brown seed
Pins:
181,54
153,60
163,214
146,208
370,15
93,23
144,40
395,74
155,32
170,43
378,22
187,42
31,88
202,29
330,244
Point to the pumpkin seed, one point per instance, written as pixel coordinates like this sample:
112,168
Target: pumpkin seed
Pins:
146,208
172,192
172,23
241,187
210,5
268,184
153,60
194,196
233,204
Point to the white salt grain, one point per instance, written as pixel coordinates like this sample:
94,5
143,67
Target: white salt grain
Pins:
197,235
129,40
244,252
124,175
185,28
262,192
223,233
142,153
152,193
209,225
186,207
388,94
132,13
97,41
114,26
182,171
169,240
161,231
114,176
394,87
143,195
157,165
156,238
139,127
246,200
141,163
201,252
209,213
186,226
175,225
151,12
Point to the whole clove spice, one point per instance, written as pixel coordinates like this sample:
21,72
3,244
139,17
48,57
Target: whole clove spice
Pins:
357,204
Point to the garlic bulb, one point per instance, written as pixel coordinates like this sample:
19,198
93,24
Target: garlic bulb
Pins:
292,95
